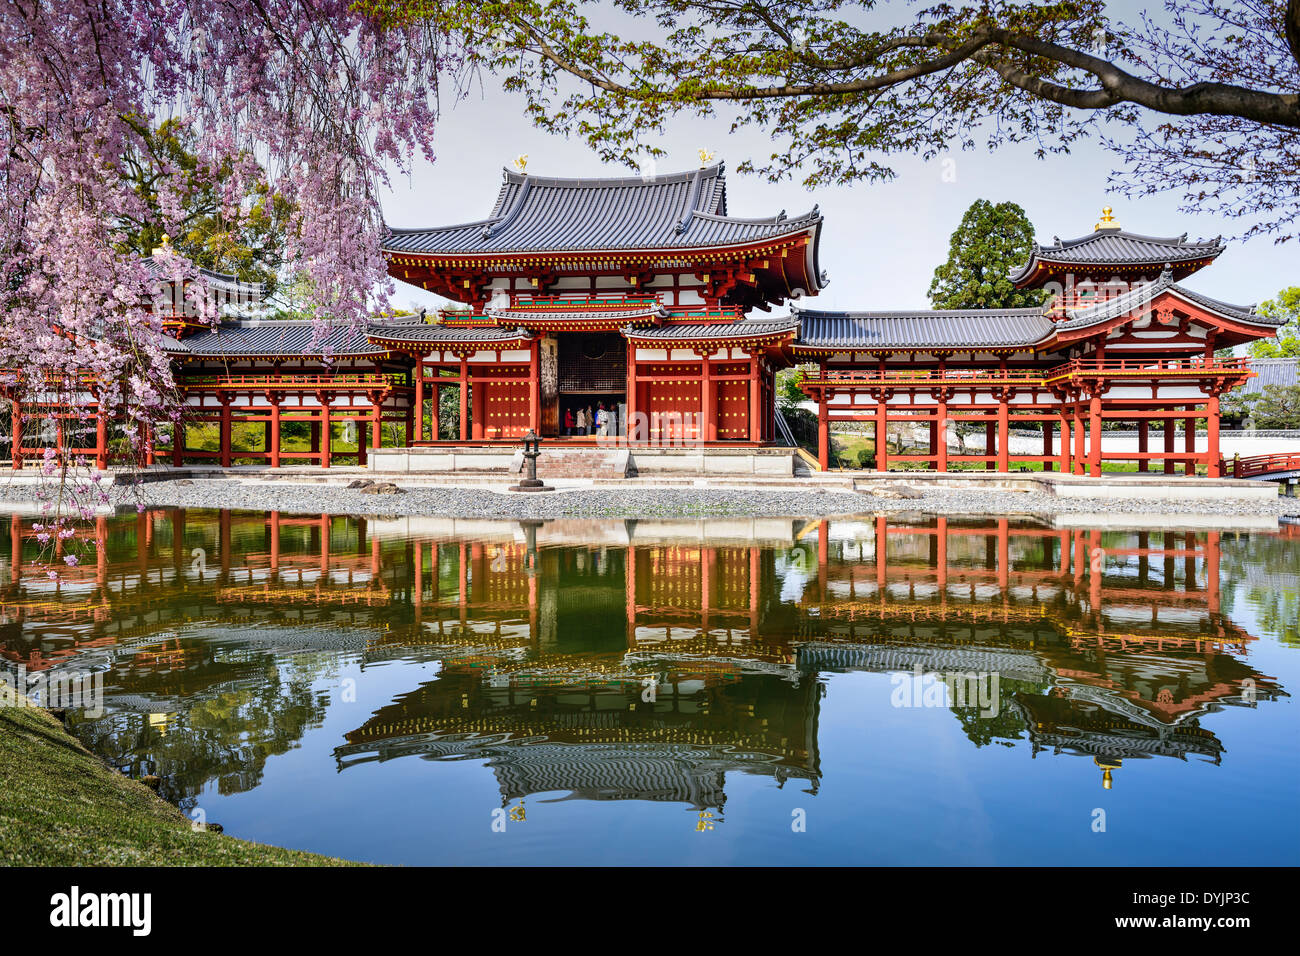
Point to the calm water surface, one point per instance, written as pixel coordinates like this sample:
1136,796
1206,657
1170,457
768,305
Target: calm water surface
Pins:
723,691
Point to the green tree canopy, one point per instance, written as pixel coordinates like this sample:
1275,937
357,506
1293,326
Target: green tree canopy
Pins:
987,246
1285,306
245,238
1277,406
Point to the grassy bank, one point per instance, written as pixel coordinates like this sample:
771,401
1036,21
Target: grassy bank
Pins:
60,806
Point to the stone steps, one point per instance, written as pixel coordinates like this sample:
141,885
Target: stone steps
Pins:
580,463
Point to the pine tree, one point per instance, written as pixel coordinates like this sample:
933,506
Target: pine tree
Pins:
989,244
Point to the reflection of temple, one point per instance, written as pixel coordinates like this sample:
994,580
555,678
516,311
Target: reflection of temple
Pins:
626,659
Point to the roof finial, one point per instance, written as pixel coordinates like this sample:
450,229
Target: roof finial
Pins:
1107,220
521,164
165,247
706,156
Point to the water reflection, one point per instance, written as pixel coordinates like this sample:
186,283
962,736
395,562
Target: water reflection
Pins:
632,660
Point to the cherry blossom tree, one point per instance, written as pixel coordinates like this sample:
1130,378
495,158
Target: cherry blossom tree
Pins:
316,94
314,99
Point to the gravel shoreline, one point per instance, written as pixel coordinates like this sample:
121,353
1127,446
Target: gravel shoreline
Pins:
639,502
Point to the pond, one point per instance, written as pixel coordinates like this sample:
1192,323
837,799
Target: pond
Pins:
774,691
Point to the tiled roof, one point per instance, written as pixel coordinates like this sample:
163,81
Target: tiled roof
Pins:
706,331
633,313
418,331
247,291
1107,246
955,328
1143,293
1277,371
255,337
533,214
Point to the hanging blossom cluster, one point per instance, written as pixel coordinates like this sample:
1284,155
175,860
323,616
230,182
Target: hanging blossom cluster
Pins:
314,94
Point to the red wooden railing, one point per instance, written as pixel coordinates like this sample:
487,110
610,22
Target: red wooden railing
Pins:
1197,365
342,380
907,376
1085,367
1264,465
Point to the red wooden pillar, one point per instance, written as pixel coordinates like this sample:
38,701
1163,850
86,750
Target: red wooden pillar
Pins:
941,435
1212,468
823,429
178,443
464,398
324,431
535,387
17,443
376,422
1170,425
1080,437
990,443
1065,442
1004,433
419,401
273,438
145,432
1048,429
1189,441
1143,445
882,431
708,399
227,437
633,432
101,438
1094,430
755,400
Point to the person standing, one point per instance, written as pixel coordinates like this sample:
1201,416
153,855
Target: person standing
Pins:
591,421
568,420
582,422
600,419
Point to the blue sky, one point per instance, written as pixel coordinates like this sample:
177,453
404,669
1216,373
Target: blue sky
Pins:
881,242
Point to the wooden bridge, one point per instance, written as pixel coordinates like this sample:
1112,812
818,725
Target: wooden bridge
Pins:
1277,467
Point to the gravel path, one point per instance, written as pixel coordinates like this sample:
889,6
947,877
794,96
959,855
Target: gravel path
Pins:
639,502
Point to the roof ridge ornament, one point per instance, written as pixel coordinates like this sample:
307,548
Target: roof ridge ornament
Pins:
1107,220
706,156
521,164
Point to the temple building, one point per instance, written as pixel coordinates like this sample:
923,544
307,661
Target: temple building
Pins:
635,313
632,294
1117,340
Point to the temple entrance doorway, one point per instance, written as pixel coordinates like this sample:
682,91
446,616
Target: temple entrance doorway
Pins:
591,379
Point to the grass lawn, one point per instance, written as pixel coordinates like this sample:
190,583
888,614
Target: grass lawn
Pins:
61,806
251,436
